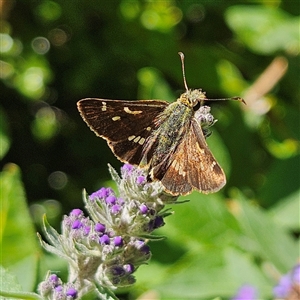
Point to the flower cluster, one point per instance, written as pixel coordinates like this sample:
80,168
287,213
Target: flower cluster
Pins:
105,248
205,119
53,288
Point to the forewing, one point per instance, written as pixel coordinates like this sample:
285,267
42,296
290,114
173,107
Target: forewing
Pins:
124,124
193,166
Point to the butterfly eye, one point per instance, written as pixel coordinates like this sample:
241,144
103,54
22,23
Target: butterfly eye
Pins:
196,106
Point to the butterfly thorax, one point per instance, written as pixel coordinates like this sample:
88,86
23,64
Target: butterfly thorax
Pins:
171,126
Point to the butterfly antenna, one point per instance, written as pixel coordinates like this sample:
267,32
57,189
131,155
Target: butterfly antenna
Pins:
183,71
226,99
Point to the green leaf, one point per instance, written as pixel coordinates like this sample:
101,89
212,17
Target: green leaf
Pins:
264,29
54,250
231,79
210,273
286,213
205,219
11,289
264,237
8,281
282,179
52,235
150,276
114,175
22,296
153,86
18,241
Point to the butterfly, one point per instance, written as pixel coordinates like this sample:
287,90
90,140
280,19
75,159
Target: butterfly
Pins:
166,138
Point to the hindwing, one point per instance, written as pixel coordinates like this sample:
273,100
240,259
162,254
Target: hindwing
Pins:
192,166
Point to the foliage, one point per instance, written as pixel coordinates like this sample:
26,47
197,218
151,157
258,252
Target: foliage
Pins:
53,53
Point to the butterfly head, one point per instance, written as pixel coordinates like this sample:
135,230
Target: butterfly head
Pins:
192,97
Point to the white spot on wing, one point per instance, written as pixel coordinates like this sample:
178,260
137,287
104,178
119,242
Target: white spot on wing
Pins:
175,165
142,141
130,138
212,165
137,139
181,172
133,112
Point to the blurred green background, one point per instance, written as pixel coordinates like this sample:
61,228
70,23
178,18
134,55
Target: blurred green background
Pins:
53,53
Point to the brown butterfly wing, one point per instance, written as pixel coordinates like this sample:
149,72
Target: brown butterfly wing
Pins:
124,124
193,166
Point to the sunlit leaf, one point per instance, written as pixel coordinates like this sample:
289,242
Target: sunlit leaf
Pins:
286,212
153,86
263,29
18,238
265,238
210,273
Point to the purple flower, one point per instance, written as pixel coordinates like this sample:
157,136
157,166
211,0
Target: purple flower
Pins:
111,199
143,209
54,278
286,283
296,275
158,222
138,251
129,268
76,212
121,201
104,239
282,289
101,194
77,224
71,292
142,246
115,208
117,271
145,249
246,292
141,180
86,230
50,285
59,289
100,227
118,241
126,169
